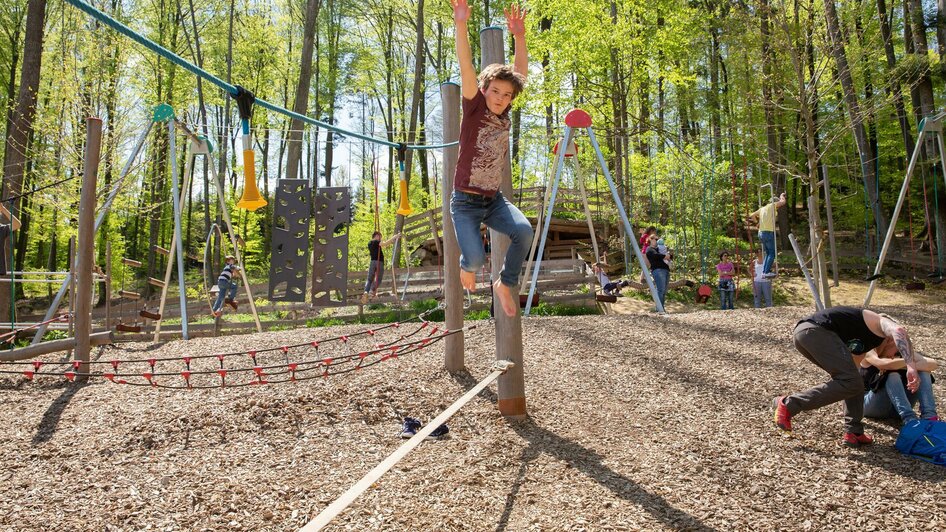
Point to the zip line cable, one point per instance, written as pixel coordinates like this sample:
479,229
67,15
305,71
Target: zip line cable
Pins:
229,88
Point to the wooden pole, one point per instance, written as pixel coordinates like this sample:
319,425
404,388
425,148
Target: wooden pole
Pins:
452,291
584,202
831,241
70,327
819,265
512,388
52,346
85,255
221,199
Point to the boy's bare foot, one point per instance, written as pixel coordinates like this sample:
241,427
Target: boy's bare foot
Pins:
505,296
468,279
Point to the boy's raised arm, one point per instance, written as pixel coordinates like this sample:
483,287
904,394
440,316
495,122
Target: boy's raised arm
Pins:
461,14
516,23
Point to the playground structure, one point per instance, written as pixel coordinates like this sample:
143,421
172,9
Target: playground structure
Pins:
312,364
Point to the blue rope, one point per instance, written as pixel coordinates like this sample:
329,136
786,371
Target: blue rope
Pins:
231,89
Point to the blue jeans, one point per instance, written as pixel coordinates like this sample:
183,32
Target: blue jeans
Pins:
763,292
660,280
471,210
375,275
895,400
767,238
228,290
727,290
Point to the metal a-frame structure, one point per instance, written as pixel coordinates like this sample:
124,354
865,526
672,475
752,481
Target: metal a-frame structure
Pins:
579,119
930,125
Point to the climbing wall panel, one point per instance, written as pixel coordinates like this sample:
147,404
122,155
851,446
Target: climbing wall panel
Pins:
330,249
290,243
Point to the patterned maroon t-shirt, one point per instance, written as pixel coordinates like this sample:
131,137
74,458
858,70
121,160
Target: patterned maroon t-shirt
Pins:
484,145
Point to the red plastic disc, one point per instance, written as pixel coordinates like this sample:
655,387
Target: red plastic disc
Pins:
577,118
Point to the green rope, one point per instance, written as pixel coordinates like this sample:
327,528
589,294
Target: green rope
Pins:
231,89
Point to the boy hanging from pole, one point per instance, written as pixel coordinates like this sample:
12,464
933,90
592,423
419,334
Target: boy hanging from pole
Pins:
484,147
766,217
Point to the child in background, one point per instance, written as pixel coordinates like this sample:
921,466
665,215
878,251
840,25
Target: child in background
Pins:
484,150
227,287
727,287
608,287
376,264
761,284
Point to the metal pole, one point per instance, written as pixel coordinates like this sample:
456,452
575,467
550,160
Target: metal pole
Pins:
172,254
452,291
627,224
804,271
891,229
176,198
121,178
86,248
559,168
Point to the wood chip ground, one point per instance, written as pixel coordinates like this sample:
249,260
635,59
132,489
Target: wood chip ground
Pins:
637,422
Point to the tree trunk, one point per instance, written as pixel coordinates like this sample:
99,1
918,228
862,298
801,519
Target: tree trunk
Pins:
301,103
854,112
893,89
331,83
417,94
21,125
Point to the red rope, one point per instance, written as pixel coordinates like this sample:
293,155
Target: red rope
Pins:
261,374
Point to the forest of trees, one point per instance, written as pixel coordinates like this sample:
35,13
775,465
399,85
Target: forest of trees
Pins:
698,104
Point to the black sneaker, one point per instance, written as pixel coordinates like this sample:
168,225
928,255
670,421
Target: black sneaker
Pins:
439,432
410,428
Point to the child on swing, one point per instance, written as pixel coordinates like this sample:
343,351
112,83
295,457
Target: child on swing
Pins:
484,147
227,287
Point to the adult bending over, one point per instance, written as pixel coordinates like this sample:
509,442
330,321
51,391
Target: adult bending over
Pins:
837,340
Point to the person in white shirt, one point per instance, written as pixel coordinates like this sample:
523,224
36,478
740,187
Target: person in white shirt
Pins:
761,283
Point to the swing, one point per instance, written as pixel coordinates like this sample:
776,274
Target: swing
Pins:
914,284
123,294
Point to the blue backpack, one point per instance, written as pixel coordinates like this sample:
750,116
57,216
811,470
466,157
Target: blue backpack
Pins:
925,440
